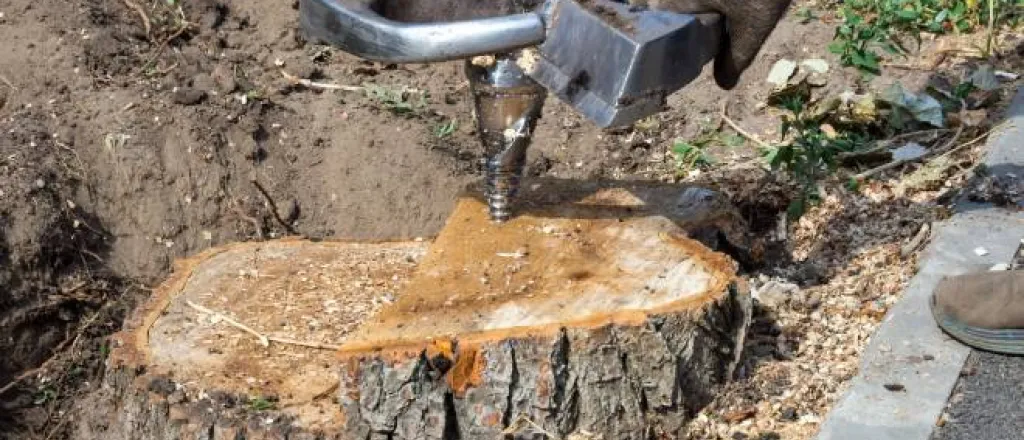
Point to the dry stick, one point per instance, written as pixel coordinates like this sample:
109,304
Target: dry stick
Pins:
916,241
971,142
523,421
56,351
896,163
264,339
252,220
8,82
740,130
142,13
163,45
33,371
303,343
319,85
273,206
59,425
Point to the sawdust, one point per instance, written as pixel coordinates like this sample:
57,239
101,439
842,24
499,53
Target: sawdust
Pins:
286,290
807,337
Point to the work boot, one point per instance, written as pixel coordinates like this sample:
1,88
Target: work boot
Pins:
983,310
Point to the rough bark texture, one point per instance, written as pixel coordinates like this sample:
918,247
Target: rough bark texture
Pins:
620,382
625,331
137,405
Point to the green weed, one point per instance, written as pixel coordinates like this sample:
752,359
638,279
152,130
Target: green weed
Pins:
689,156
260,403
400,101
810,154
44,394
873,27
445,129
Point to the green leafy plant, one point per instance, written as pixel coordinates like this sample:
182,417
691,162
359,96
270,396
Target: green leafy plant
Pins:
809,155
45,393
873,26
400,101
806,15
260,403
689,156
445,129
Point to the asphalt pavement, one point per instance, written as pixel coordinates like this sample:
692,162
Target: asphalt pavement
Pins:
987,402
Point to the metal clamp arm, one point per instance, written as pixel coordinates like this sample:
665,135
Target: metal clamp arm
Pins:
355,27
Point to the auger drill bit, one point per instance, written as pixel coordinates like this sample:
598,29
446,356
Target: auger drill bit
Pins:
507,105
610,60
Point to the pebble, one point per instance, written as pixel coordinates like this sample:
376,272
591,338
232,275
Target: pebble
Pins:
788,414
224,77
176,397
774,293
188,96
204,82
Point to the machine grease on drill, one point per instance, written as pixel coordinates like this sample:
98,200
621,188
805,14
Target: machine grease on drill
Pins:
507,104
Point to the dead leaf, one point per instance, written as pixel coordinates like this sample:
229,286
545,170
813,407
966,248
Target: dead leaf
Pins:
781,71
829,130
921,107
909,151
984,78
973,118
739,415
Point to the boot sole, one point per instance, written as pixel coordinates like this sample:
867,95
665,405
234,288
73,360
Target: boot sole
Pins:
1009,341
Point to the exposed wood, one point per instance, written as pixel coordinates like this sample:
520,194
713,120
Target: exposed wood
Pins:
610,323
625,328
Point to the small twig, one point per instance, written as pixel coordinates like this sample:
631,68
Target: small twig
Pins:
273,207
319,85
165,70
971,142
897,163
142,13
8,82
265,340
163,45
738,129
914,134
303,343
952,141
59,425
916,241
252,220
41,367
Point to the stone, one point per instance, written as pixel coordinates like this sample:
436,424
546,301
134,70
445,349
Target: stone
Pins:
188,96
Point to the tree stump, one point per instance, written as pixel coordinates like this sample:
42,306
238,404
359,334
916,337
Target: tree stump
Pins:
592,313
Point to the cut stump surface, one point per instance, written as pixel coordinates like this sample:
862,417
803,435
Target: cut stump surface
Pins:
582,315
588,313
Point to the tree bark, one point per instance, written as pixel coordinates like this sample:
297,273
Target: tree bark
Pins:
619,382
613,325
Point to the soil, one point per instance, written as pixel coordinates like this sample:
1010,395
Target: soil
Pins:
128,140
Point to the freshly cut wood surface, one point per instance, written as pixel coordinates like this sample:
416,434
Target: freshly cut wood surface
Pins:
594,311
184,361
590,312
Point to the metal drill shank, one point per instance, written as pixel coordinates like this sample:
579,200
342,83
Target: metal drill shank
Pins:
507,104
